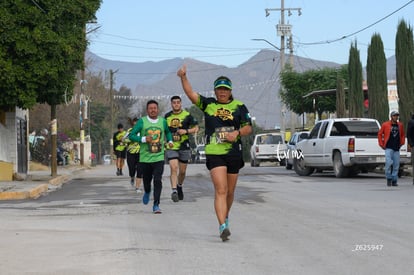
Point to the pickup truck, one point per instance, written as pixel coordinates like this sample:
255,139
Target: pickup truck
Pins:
347,146
268,147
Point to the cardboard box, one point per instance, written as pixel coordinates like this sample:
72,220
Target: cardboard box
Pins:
6,171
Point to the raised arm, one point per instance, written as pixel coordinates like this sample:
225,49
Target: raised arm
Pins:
182,74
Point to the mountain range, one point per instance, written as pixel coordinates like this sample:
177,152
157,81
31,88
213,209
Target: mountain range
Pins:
255,82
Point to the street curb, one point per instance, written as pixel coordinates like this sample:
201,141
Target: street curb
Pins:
38,191
59,180
35,192
19,195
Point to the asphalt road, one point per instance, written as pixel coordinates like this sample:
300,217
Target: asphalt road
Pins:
281,224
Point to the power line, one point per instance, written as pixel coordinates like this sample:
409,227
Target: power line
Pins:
211,49
356,32
172,44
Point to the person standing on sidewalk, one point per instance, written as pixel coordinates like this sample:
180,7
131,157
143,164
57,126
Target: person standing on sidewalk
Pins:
410,139
391,137
119,149
226,120
134,166
181,123
152,131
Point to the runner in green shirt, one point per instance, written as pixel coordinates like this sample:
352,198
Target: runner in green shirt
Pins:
181,124
226,120
119,149
134,166
152,131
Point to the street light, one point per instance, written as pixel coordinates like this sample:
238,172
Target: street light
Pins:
271,44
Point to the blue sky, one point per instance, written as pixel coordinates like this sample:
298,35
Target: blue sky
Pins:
220,32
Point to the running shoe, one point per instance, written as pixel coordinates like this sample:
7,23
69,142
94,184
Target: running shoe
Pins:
139,191
227,225
174,196
132,182
389,182
224,232
146,198
180,192
156,209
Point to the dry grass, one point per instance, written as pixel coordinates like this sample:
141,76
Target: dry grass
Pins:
35,166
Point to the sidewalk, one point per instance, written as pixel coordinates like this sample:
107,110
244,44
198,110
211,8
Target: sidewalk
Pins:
37,183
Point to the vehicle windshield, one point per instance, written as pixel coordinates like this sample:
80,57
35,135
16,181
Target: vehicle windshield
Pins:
271,139
355,128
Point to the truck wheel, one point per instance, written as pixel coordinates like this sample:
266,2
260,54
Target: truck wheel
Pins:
300,168
282,162
339,169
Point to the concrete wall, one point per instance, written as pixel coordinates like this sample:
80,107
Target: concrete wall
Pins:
8,136
4,137
87,149
8,147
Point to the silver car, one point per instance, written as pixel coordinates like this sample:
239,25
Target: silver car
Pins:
106,159
200,156
291,148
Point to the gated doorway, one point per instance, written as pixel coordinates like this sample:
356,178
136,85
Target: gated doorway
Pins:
21,145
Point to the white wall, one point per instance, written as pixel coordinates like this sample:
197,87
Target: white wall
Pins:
4,137
87,149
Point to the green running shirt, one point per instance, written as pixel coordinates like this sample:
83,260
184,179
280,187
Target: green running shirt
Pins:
232,116
182,120
132,146
154,151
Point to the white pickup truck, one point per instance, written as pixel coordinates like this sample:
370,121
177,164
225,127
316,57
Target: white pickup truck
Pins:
268,147
347,146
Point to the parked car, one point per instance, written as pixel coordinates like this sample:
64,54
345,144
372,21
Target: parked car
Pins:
200,154
268,147
291,148
106,159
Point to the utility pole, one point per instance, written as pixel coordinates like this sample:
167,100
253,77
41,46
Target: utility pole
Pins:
81,119
82,102
111,100
293,117
284,30
82,109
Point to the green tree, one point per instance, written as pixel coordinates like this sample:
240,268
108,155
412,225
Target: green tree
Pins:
299,84
404,55
100,135
340,98
355,95
377,80
42,46
295,87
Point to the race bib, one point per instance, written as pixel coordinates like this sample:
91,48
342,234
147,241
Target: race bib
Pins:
221,133
176,137
155,147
